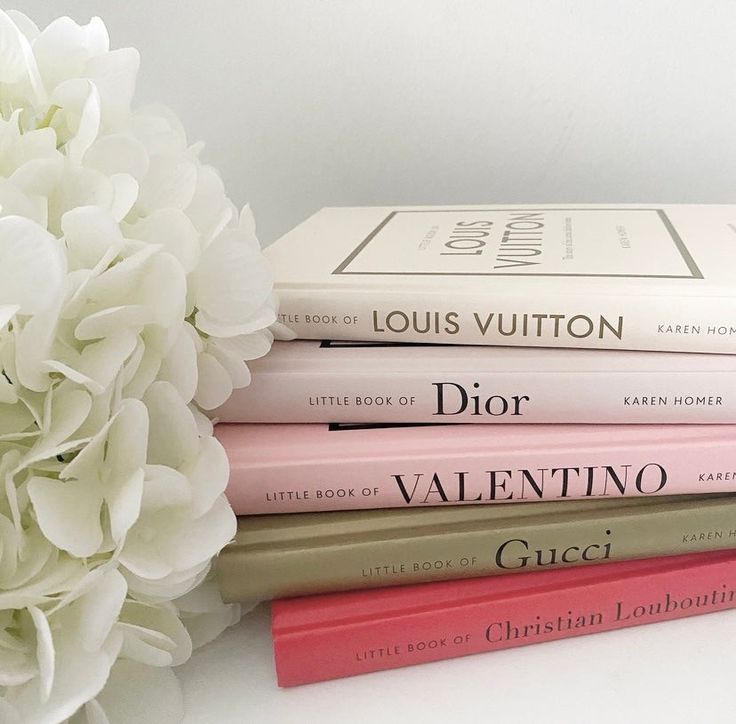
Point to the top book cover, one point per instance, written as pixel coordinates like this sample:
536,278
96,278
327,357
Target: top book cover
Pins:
633,276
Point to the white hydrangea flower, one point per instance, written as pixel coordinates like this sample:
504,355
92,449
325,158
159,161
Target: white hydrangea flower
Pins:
132,295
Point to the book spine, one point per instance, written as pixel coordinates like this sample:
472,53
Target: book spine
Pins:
325,563
485,397
476,476
420,635
653,322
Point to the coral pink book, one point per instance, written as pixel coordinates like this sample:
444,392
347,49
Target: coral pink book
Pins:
302,468
331,636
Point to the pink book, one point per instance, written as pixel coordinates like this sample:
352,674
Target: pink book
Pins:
301,468
307,381
342,634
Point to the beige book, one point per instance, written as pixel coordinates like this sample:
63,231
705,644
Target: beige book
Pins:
277,556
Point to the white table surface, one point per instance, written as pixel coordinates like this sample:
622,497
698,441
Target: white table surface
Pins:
674,672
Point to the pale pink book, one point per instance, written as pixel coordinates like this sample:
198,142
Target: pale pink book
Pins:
342,634
307,381
300,468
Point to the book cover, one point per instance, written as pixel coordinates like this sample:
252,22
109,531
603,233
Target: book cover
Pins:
648,277
336,635
303,468
277,556
333,381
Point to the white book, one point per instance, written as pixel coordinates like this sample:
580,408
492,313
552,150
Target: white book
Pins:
634,276
364,383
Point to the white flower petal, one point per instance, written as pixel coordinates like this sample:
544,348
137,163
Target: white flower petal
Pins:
206,627
158,128
81,187
81,585
125,193
16,669
215,384
63,48
231,361
8,398
127,439
205,615
154,280
147,366
116,285
248,346
140,557
173,432
208,474
170,182
19,146
80,676
90,235
73,375
32,266
41,177
69,409
264,317
155,631
88,126
203,599
44,651
204,424
100,608
232,281
179,367
169,586
17,62
247,224
22,557
282,332
118,153
33,347
165,488
108,321
7,312
68,514
202,538
124,504
24,24
98,363
114,74
15,202
173,231
87,464
151,648
210,210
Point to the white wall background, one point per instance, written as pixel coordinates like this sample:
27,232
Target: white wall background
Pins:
307,103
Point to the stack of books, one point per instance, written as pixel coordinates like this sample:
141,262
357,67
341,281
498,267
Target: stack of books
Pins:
521,427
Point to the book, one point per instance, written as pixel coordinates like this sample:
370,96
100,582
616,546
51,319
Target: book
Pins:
648,277
304,468
336,635
278,556
309,381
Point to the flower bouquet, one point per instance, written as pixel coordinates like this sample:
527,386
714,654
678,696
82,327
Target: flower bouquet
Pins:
132,293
